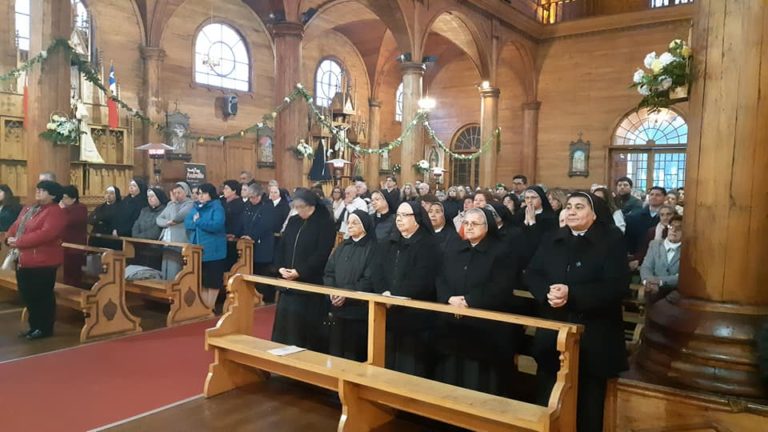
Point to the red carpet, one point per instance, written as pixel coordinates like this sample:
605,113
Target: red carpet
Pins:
98,384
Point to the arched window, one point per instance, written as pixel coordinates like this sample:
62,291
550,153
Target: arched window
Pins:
23,24
650,149
663,3
399,103
221,58
82,36
327,82
466,172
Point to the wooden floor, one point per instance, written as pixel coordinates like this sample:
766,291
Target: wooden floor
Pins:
278,404
67,329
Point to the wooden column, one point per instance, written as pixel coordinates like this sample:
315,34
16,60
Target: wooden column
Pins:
151,104
489,121
48,92
704,337
8,43
413,145
374,128
291,124
530,139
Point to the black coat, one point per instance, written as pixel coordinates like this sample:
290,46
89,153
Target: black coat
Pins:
349,267
103,220
392,198
385,225
233,214
305,247
8,215
260,223
595,269
128,211
407,267
446,236
452,208
638,224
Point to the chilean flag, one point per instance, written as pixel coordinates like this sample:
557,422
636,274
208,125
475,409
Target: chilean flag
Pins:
114,116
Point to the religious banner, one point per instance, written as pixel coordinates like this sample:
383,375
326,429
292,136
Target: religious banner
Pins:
195,174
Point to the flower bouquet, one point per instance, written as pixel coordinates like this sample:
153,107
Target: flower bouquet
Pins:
396,168
304,150
667,77
421,167
62,130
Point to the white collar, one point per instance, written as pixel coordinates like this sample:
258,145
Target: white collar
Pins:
440,229
669,245
579,233
538,211
276,202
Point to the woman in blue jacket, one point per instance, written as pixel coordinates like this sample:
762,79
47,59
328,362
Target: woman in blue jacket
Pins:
205,227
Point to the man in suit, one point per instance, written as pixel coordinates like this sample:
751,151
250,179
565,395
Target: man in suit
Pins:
638,223
661,266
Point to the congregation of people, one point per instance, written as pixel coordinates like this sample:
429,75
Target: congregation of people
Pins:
574,251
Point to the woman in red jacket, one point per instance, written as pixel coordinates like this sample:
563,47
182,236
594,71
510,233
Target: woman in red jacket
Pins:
76,232
37,234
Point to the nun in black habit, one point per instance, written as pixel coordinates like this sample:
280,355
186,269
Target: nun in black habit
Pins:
301,256
535,220
103,219
580,275
476,273
406,265
130,208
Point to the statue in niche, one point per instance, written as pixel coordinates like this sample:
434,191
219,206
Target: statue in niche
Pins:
265,148
177,127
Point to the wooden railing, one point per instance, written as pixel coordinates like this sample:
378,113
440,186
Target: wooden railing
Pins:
234,348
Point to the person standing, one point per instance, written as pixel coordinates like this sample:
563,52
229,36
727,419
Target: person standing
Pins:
129,208
76,232
103,219
261,221
579,275
205,227
37,235
301,256
9,207
171,221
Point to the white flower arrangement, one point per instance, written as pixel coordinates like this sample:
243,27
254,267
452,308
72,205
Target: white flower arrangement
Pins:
666,73
304,150
421,166
62,130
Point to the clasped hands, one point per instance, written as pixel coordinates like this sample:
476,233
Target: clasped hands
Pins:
558,295
289,274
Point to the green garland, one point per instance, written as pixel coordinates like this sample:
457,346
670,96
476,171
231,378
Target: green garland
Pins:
92,76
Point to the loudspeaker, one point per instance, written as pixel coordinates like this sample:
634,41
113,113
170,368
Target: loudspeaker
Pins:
230,106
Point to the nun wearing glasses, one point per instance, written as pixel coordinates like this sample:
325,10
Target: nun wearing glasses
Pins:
579,275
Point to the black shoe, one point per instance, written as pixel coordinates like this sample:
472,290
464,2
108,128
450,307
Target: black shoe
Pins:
25,333
38,334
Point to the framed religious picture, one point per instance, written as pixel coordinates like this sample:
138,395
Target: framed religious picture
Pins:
579,157
265,151
177,127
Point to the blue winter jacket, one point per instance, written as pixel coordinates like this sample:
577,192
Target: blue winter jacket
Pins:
208,231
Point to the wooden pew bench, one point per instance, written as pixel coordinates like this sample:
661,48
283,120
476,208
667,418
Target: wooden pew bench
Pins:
371,394
183,293
103,306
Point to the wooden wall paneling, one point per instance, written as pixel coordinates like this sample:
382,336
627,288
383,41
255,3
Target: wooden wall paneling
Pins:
584,86
240,154
14,174
12,138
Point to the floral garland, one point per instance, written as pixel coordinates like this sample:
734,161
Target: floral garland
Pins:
92,76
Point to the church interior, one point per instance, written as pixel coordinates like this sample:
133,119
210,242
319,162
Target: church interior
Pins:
326,94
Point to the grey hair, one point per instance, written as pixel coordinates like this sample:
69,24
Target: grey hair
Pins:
474,210
255,189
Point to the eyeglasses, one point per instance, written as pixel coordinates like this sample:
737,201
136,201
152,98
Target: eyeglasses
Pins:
403,215
472,224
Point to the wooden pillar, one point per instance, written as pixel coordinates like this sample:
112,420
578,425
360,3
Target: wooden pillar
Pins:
8,44
489,121
151,104
704,337
291,124
49,88
413,145
374,129
530,140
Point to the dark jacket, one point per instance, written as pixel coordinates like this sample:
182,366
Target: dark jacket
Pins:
407,267
233,211
208,230
8,215
306,245
260,223
392,198
452,207
628,203
349,267
128,211
594,268
385,225
40,244
446,236
638,224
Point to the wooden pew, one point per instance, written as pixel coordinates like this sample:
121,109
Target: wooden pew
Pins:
103,306
370,393
244,263
183,293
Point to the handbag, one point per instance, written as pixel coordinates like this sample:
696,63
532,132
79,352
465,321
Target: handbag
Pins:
11,260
